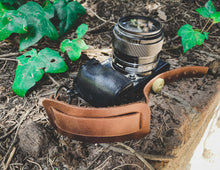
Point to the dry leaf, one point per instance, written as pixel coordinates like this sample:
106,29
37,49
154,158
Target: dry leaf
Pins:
162,15
151,7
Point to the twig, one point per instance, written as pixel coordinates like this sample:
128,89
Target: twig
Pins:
103,164
16,134
46,94
205,25
88,9
210,26
172,39
35,163
137,155
209,54
10,55
4,65
98,27
8,133
9,59
10,158
97,157
52,79
127,165
103,51
144,155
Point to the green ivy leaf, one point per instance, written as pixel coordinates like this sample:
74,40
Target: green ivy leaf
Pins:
32,66
53,61
81,30
48,9
208,10
28,72
64,45
73,48
12,21
206,34
11,2
8,1
38,25
5,8
68,14
199,38
190,37
215,17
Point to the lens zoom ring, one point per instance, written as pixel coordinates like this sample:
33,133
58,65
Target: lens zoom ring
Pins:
140,50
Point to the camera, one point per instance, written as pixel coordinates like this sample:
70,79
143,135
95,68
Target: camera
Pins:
137,42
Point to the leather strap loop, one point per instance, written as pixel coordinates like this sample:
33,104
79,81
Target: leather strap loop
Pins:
176,74
111,124
99,124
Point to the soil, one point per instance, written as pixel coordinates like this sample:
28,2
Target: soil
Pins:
23,121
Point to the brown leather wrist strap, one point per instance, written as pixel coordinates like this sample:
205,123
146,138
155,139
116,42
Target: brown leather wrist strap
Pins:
111,124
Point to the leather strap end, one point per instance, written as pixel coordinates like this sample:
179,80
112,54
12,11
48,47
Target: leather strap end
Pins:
110,124
176,74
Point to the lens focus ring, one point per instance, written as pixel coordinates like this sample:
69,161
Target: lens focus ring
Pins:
140,50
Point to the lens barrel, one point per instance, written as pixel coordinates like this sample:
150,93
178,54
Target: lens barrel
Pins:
137,42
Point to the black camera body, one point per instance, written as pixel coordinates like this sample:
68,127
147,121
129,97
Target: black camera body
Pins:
137,41
101,85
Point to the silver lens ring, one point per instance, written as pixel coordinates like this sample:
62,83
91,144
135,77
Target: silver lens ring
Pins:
137,41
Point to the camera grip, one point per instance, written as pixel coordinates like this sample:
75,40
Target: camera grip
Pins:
100,85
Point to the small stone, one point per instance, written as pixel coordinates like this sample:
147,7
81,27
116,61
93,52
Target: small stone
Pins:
33,139
214,67
158,85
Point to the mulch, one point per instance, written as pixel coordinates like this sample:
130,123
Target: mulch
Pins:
179,103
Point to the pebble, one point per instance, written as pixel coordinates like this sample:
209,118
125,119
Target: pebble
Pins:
33,139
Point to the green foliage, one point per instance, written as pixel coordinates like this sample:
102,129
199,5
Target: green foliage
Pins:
8,1
32,22
81,30
32,66
74,47
12,21
38,19
11,2
215,17
208,10
48,9
38,25
68,13
206,34
4,8
192,37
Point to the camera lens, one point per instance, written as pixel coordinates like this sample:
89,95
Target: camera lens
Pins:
137,42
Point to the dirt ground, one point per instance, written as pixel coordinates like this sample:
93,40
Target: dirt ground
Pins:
27,139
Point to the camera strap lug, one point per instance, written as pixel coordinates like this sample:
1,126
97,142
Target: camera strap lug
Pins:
71,93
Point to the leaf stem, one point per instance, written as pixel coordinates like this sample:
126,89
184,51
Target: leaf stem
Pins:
210,26
205,25
52,79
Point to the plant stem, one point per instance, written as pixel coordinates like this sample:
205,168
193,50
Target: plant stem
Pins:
205,25
210,26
